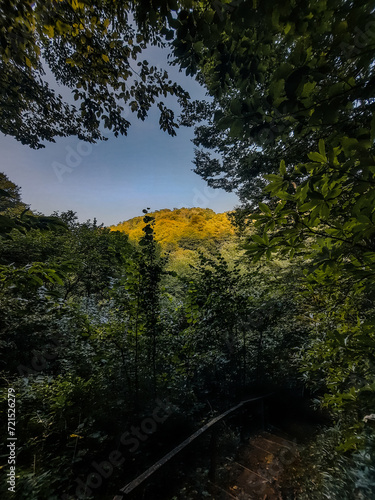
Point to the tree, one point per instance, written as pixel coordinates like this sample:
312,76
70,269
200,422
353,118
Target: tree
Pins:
293,81
330,200
279,73
325,211
283,75
15,214
10,195
94,49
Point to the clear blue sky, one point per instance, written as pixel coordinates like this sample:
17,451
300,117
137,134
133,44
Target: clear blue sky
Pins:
114,180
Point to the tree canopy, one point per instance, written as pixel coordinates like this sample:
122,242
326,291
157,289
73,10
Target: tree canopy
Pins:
283,75
10,197
93,48
182,227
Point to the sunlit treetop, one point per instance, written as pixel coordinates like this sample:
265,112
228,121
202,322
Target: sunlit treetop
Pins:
184,227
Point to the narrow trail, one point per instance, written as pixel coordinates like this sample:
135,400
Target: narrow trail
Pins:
256,472
262,468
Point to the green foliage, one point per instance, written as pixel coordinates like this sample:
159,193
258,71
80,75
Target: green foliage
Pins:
323,210
293,82
324,472
243,324
331,200
95,327
290,81
182,232
282,76
10,198
92,48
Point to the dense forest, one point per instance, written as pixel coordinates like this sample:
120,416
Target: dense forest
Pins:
118,343
100,327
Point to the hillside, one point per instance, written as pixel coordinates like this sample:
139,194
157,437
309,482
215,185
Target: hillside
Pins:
183,228
183,231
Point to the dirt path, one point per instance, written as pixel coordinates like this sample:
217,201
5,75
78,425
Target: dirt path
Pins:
256,473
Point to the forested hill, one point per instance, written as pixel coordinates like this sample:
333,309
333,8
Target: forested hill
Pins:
183,228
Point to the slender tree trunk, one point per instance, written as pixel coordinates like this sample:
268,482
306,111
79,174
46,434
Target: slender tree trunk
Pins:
260,345
136,356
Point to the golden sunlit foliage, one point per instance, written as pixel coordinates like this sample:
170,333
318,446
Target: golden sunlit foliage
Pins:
183,231
183,228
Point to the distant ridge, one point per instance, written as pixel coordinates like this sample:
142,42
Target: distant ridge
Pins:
183,228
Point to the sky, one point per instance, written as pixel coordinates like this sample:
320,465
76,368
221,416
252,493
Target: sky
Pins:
115,180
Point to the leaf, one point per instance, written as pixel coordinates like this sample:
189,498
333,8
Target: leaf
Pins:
322,149
282,168
275,17
277,88
105,58
236,128
265,237
198,46
308,89
49,30
307,206
373,128
317,157
265,209
257,239
349,144
324,210
287,28
235,107
224,122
